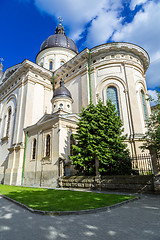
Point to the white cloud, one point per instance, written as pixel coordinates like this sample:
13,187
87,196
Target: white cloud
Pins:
135,3
153,75
144,30
153,95
102,28
77,13
102,17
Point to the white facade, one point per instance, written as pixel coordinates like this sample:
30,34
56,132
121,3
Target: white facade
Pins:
35,130
58,56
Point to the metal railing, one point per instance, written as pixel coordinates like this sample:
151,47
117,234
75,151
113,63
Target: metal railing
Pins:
142,165
158,162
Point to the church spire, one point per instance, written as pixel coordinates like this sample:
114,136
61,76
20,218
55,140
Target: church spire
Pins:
61,83
1,67
60,28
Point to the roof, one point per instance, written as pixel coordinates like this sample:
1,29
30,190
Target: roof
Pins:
62,91
59,39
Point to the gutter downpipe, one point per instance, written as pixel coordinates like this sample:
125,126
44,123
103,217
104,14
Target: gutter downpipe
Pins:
89,69
24,159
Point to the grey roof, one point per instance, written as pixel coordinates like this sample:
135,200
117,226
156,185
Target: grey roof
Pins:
62,91
59,40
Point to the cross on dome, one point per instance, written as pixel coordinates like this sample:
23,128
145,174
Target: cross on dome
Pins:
60,21
60,28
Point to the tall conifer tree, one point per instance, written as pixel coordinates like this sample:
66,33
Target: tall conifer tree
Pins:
100,142
152,136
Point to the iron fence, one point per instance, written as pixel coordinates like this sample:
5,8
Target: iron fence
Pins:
142,165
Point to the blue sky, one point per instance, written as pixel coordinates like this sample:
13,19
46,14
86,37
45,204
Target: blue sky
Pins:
25,24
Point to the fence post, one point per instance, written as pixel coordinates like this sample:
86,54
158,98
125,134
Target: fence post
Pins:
156,170
154,162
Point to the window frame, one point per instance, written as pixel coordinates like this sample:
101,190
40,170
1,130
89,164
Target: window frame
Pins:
51,62
8,121
117,95
34,149
62,60
144,105
48,146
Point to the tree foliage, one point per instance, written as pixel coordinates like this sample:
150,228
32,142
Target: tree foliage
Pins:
99,136
152,136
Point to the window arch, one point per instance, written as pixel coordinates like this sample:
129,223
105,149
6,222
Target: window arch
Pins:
48,142
51,65
144,106
62,62
34,144
8,121
113,96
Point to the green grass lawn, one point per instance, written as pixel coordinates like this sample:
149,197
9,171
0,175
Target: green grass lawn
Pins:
60,200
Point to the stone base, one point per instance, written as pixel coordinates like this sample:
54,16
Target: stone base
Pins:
1,175
116,183
45,179
7,179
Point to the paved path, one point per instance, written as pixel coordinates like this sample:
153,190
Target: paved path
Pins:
139,220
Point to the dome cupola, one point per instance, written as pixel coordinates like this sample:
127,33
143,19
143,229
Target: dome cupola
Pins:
62,91
59,39
62,99
56,50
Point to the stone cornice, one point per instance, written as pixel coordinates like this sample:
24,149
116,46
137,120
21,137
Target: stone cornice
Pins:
4,139
22,68
15,148
54,118
71,68
35,80
125,47
110,63
9,72
17,77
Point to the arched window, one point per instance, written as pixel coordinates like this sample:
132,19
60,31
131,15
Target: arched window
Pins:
8,121
144,106
72,142
51,65
62,62
48,141
34,149
113,96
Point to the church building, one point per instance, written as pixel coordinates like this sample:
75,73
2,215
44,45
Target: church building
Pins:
40,103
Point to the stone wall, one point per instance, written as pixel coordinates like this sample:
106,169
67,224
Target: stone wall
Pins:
117,183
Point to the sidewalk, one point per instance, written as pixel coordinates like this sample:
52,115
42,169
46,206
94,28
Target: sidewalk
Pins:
137,220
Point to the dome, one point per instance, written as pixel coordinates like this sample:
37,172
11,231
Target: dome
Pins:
59,40
62,91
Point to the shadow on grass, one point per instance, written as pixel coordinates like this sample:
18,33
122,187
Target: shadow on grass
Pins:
119,223
59,200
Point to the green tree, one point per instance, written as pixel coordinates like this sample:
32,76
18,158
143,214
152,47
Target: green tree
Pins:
100,141
152,136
